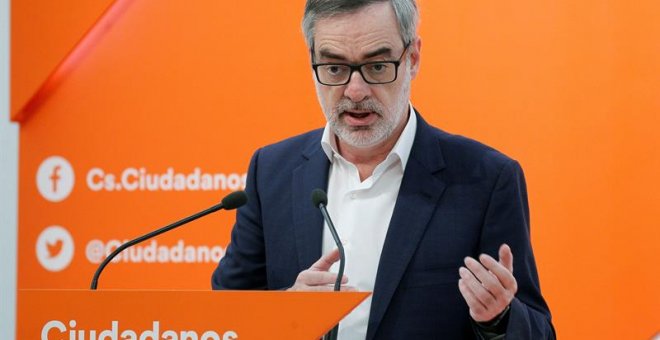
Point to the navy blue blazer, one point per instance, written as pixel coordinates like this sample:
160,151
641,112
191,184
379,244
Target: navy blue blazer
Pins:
457,198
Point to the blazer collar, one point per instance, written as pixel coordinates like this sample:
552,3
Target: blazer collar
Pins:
419,194
312,173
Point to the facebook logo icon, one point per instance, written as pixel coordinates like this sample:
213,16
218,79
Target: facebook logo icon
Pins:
55,178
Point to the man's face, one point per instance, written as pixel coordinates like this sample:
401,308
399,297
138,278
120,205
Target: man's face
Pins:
362,114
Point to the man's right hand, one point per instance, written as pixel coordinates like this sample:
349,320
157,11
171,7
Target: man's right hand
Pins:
318,279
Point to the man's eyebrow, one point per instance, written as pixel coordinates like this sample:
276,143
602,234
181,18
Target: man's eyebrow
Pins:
381,51
330,55
378,52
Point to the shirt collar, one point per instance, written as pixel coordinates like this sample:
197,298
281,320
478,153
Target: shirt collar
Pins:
401,148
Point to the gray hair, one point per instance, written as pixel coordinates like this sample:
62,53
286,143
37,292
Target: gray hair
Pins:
405,11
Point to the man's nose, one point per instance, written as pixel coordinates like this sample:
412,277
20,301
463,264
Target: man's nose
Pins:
357,89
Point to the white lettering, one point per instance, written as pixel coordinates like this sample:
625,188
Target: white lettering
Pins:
109,181
189,335
216,254
129,335
170,335
230,335
150,252
192,181
140,179
143,171
167,179
176,256
210,335
50,325
153,334
163,254
94,177
110,247
207,182
110,333
234,182
114,332
153,252
129,179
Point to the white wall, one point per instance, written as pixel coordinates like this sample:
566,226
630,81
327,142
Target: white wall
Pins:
8,188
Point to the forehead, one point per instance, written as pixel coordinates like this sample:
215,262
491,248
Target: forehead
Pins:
352,34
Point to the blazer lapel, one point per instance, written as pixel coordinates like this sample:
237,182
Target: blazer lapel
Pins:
307,220
418,196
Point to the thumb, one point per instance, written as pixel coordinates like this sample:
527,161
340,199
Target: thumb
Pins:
326,261
506,257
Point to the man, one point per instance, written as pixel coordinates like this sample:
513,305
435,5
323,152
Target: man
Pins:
418,209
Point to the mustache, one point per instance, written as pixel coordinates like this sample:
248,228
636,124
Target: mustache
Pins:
365,105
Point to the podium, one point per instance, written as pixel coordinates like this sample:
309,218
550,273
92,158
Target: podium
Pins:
179,315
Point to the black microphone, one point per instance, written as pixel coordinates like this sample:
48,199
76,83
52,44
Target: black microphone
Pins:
320,200
229,202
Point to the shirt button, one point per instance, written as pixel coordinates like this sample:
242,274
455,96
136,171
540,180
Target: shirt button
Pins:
353,196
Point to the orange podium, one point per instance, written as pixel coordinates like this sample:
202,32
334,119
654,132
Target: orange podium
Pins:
179,315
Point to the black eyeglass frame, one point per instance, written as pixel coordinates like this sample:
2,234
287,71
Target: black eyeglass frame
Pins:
358,68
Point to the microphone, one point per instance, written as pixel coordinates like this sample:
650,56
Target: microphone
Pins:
320,200
229,202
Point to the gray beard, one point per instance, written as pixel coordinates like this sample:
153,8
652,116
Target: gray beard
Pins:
381,130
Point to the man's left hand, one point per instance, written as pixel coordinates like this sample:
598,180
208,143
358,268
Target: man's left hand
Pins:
488,286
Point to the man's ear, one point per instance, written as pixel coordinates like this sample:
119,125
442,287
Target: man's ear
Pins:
415,56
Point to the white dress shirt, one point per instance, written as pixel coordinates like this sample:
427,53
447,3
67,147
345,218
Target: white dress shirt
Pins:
361,212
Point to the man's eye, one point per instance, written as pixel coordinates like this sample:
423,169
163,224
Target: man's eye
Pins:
378,68
334,69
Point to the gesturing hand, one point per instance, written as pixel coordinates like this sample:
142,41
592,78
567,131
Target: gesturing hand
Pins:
317,278
488,286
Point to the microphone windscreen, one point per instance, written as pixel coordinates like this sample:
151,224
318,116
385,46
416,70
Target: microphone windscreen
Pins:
319,197
234,200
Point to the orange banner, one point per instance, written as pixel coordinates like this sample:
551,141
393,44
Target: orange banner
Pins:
205,315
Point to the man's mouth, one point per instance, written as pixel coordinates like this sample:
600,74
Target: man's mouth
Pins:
358,114
359,118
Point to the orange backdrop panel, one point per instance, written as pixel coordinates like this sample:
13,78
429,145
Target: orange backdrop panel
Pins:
570,89
227,315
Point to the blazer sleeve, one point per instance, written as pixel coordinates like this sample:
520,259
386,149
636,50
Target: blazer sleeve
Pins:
507,221
244,264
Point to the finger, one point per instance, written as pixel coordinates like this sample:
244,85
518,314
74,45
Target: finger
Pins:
487,279
484,296
326,261
504,276
331,288
315,278
476,307
506,257
301,287
324,288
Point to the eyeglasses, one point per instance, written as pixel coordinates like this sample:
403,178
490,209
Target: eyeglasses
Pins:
374,72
